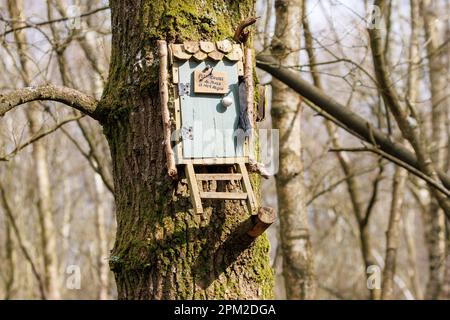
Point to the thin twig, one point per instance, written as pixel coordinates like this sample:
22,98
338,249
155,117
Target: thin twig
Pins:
38,137
397,161
25,252
43,23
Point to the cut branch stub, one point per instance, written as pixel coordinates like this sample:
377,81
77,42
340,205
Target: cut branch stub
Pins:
264,219
240,35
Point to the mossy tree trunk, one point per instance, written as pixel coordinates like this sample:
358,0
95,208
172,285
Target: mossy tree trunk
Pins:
164,250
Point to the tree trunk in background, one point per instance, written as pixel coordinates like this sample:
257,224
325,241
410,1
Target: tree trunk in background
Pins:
298,263
434,218
445,292
351,181
413,96
66,225
163,250
48,239
400,175
412,270
10,262
102,241
392,234
10,255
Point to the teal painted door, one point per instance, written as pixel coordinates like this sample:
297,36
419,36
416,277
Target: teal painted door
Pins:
208,129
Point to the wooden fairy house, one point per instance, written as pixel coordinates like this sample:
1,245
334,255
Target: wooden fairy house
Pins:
212,106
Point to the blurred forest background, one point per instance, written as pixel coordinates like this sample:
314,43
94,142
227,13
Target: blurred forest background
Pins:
56,203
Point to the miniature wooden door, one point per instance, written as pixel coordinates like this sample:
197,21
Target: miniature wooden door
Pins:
208,127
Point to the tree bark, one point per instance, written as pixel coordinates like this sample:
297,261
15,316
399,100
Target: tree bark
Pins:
163,250
298,263
392,234
434,218
10,258
400,175
413,133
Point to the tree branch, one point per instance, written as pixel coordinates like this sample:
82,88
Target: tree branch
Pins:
374,195
413,133
346,117
67,96
400,163
21,242
40,24
37,137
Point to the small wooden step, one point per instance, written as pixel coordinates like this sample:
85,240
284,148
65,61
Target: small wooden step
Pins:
195,183
218,176
224,195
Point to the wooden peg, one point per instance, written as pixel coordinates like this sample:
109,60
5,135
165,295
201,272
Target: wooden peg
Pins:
240,67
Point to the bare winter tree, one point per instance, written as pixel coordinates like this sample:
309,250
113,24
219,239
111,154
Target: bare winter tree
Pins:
298,263
153,213
359,95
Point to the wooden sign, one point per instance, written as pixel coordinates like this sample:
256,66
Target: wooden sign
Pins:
210,81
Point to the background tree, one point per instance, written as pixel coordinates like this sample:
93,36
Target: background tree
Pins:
163,249
286,111
335,56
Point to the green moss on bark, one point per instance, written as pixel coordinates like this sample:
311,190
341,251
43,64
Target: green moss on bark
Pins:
163,249
193,20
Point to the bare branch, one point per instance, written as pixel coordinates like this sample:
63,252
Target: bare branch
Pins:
23,248
342,114
70,97
400,163
28,25
38,137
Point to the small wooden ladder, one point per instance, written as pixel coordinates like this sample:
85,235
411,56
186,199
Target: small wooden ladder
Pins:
197,193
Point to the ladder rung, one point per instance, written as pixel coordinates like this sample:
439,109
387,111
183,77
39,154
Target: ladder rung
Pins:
218,176
223,195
